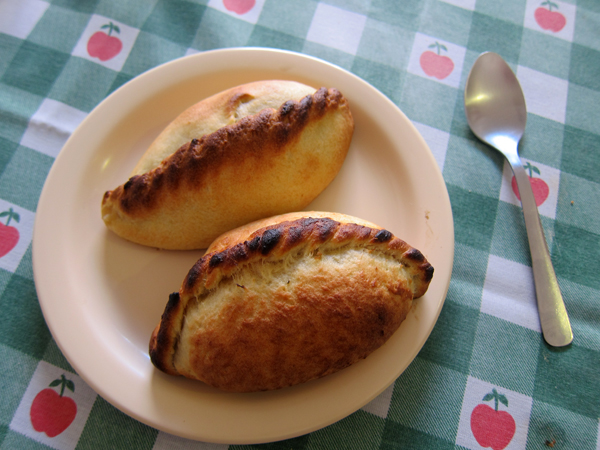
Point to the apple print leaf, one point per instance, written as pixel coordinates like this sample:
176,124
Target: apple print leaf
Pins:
549,4
488,397
11,216
494,395
71,386
529,168
63,382
111,27
438,47
502,398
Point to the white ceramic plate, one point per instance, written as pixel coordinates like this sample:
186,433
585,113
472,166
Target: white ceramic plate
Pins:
102,296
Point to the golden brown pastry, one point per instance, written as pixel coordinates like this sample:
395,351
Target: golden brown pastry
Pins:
253,151
288,299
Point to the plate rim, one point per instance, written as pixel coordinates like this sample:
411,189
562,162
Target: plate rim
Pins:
37,244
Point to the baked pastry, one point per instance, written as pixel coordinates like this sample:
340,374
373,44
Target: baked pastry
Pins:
253,151
288,299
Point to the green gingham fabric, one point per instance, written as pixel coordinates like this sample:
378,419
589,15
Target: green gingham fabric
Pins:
486,350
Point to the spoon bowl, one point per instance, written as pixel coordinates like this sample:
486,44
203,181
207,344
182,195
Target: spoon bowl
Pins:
497,114
494,101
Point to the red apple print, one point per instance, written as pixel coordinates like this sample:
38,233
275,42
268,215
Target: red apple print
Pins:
434,64
548,19
538,186
52,413
104,46
9,236
239,6
490,427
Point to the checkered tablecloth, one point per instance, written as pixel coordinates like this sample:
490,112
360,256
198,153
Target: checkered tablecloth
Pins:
485,378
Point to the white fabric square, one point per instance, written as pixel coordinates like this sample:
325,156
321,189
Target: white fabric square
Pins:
337,28
380,405
465,4
106,42
437,141
165,441
247,10
545,95
50,127
545,183
436,60
555,18
54,408
482,426
509,293
18,18
16,231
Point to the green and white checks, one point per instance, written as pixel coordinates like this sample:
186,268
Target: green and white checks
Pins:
485,378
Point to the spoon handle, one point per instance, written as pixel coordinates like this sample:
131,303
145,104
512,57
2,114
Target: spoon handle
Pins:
553,314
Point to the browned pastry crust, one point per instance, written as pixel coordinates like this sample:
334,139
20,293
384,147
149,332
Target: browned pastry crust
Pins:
269,163
287,303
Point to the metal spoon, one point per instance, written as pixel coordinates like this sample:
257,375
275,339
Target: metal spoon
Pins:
496,112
